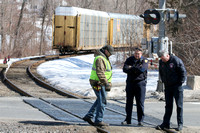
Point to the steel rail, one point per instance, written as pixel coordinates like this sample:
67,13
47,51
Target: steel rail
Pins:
24,93
42,83
12,85
60,92
110,109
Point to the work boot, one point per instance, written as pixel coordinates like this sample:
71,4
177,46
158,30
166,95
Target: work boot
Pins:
161,127
101,124
180,127
88,119
140,124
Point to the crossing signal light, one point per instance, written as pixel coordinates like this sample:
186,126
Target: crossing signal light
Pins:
151,17
176,16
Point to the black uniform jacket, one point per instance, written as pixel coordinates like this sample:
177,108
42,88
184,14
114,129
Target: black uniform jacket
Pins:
136,69
172,72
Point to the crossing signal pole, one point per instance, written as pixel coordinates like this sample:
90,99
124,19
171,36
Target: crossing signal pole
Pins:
160,16
162,5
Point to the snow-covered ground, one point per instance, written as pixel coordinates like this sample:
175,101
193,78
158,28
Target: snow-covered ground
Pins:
73,74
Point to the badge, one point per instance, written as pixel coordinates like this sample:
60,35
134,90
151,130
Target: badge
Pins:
145,61
171,65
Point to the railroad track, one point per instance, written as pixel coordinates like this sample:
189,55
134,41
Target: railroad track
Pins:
7,92
17,76
20,76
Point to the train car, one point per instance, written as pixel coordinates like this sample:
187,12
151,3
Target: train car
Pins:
76,29
125,30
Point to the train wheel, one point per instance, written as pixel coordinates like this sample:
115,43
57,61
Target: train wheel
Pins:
62,50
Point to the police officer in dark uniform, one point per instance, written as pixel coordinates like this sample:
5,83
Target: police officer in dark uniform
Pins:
136,68
173,75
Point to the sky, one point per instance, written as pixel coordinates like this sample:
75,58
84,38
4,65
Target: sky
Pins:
73,74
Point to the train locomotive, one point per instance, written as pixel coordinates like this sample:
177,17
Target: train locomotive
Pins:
77,29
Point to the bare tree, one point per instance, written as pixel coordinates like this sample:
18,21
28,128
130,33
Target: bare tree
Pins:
2,25
185,34
17,50
43,16
86,3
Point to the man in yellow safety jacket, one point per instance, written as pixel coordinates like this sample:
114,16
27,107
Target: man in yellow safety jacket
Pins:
100,80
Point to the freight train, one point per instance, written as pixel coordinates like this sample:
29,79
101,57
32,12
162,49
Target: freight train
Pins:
76,29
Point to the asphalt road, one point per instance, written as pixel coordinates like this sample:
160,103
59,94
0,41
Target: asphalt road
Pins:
15,108
191,112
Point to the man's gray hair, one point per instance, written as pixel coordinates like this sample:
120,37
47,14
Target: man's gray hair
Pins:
163,53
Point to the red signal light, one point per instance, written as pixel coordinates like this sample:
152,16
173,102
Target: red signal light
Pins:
151,17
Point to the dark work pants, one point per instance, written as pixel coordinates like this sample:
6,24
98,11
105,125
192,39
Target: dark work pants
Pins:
170,95
137,90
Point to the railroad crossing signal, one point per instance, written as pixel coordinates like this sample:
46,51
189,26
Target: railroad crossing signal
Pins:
176,16
160,16
151,17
